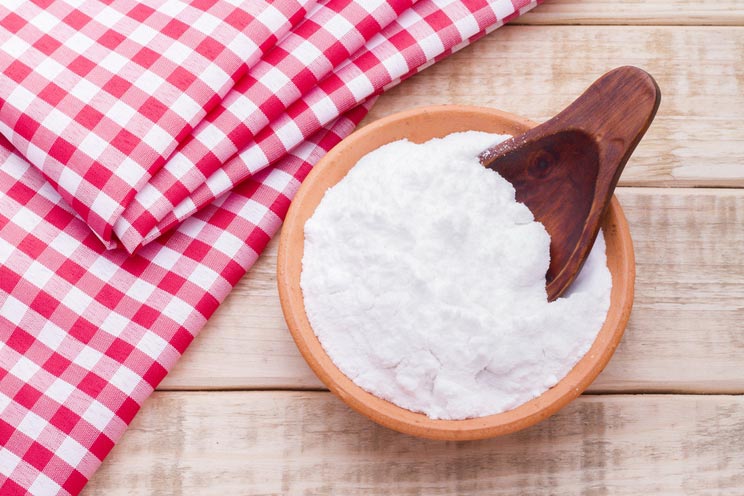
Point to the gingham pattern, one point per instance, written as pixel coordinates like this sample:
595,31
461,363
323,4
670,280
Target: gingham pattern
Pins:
429,31
97,94
330,35
86,333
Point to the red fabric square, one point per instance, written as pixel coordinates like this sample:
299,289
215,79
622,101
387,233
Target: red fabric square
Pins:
146,57
206,305
32,246
153,109
177,189
135,265
210,48
20,193
83,330
127,410
81,65
145,316
27,396
26,126
101,446
111,39
59,217
8,279
62,150
38,456
52,94
20,341
43,3
119,350
203,4
45,304
181,78
181,339
92,385
88,117
109,296
239,19
98,176
232,271
71,271
56,364
12,22
172,283
271,105
197,250
11,488
74,483
6,430
76,19
141,12
125,141
65,419
175,28
47,45
223,220
155,374
117,86
17,71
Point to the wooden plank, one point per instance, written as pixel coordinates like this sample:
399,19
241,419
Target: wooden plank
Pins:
697,138
310,443
656,12
686,331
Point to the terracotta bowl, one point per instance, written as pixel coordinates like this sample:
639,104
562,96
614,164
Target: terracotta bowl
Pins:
419,125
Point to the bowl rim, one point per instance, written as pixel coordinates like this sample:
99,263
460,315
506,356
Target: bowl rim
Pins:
289,263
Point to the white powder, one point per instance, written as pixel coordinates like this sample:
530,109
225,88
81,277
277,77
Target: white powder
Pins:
424,280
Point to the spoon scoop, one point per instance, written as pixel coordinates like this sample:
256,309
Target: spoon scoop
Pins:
566,169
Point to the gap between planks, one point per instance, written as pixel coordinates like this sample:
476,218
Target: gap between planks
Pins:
311,443
590,392
686,332
686,329
697,137
637,12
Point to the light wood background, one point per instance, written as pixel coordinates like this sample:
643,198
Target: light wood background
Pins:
242,413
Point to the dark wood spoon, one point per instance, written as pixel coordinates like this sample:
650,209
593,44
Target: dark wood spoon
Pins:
566,169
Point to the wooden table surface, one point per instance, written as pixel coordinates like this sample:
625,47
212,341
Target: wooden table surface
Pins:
243,414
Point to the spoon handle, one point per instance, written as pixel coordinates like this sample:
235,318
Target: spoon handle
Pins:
633,98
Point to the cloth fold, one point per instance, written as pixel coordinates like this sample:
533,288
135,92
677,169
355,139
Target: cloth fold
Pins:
328,37
150,152
97,94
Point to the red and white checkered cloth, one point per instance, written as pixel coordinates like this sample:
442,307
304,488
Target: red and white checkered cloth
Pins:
150,151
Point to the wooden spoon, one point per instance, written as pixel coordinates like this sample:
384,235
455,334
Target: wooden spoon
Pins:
566,169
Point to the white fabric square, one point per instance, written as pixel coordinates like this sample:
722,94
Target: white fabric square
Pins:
24,369
125,380
71,451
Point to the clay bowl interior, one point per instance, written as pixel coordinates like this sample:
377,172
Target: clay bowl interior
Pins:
419,125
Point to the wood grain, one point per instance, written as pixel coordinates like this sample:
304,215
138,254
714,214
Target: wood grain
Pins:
686,332
248,443
657,12
697,138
